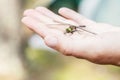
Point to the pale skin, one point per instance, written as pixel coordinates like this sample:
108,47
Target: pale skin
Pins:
102,48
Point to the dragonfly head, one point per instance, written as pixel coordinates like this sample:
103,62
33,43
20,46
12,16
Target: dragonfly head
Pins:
70,29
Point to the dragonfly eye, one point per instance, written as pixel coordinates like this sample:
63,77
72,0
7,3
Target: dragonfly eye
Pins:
68,30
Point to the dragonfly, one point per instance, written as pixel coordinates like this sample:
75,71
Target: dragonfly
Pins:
73,28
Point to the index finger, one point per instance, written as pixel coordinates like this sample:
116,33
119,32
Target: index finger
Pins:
70,14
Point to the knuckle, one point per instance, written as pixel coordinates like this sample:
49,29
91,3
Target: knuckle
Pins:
97,58
67,52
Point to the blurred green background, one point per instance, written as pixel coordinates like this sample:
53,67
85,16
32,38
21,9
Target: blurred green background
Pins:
24,56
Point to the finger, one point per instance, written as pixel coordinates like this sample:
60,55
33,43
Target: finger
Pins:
27,12
58,43
54,16
49,14
36,26
38,16
70,14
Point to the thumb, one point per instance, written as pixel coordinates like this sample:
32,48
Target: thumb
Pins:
51,41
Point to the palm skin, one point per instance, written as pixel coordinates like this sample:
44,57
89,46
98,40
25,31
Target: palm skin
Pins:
102,48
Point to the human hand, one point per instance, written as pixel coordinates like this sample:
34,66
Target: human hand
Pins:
102,48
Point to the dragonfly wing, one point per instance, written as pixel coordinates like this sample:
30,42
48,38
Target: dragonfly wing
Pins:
57,24
81,28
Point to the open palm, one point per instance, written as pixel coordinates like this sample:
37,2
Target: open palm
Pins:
81,44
